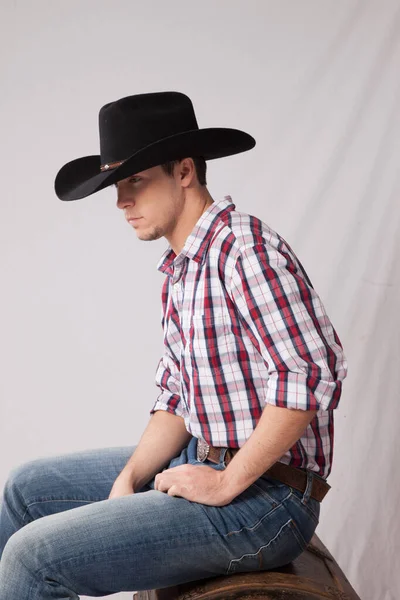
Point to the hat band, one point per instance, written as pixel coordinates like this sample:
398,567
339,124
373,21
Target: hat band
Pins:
111,165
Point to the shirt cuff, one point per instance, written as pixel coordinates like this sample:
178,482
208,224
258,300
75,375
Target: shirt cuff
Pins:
170,403
292,390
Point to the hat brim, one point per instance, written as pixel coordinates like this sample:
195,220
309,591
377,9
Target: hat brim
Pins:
82,177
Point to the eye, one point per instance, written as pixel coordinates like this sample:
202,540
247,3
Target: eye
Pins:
131,180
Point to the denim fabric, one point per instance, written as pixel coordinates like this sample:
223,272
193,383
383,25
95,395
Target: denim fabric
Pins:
60,535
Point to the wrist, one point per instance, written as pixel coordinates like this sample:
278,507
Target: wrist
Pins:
127,475
229,491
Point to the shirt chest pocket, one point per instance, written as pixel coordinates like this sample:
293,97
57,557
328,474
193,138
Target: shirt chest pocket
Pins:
211,343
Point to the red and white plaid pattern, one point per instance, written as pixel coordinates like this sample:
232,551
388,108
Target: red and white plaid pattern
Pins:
244,327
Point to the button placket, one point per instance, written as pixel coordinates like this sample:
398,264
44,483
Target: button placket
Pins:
177,297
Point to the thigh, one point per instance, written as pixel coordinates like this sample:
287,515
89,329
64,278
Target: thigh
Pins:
147,540
129,543
57,483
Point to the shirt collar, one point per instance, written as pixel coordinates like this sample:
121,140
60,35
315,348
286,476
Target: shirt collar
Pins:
199,239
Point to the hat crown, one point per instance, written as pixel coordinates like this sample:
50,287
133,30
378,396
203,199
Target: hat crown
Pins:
142,131
133,122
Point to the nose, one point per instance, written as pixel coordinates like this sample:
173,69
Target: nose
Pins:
124,199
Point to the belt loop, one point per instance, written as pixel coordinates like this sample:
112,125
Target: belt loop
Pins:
308,490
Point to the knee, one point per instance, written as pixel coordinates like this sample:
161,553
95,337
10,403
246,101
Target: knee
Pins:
22,480
21,548
22,473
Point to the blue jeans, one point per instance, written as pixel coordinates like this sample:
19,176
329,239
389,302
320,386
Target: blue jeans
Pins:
60,535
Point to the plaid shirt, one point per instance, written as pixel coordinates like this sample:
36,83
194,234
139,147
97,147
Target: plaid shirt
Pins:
244,327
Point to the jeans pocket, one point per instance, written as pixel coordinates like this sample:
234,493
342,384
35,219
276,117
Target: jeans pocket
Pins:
305,515
274,542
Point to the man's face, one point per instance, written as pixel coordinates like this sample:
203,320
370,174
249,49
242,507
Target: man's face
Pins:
153,196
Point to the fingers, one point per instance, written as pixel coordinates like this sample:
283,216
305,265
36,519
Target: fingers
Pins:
162,486
164,481
173,491
160,480
160,483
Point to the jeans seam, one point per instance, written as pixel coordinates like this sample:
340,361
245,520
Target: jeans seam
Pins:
253,527
16,515
10,504
308,508
56,500
299,536
237,560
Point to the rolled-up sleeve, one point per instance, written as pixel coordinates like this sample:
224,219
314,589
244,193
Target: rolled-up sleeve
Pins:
168,380
168,376
288,325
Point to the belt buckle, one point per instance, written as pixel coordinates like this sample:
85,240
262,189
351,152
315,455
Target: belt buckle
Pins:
202,450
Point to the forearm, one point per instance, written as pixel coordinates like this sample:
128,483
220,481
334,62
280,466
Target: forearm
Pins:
276,432
162,440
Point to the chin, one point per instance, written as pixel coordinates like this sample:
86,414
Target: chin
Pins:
149,235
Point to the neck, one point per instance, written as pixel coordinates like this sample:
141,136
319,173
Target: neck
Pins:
194,207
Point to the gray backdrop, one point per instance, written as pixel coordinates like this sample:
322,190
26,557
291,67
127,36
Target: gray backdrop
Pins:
317,84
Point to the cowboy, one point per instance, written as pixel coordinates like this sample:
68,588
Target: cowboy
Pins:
230,472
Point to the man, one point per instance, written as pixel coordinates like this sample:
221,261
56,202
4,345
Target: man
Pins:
230,471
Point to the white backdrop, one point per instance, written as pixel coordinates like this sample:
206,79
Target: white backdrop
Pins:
317,83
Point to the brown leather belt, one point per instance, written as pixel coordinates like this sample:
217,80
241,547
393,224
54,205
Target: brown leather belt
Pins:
293,476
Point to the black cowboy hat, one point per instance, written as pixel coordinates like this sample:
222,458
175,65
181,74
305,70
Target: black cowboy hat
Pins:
143,131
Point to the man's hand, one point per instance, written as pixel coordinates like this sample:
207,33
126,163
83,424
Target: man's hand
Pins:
198,483
122,486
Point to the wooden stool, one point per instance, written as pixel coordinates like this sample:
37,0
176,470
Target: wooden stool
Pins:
314,575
